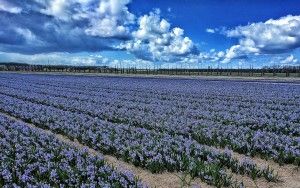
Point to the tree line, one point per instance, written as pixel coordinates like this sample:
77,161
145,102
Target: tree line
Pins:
285,71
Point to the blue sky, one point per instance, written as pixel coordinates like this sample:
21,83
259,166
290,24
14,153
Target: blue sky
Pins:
148,33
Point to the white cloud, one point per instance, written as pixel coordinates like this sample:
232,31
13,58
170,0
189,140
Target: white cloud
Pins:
238,52
106,27
58,8
29,37
289,60
203,57
111,19
56,58
151,26
270,37
113,7
209,30
155,40
62,58
8,7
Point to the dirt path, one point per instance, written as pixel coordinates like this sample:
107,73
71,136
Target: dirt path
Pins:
289,174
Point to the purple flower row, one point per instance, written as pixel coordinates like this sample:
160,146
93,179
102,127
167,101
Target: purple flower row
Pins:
268,144
29,158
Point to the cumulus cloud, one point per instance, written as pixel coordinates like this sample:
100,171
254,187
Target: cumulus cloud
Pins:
238,52
105,18
64,25
111,19
106,28
71,26
271,37
9,7
155,40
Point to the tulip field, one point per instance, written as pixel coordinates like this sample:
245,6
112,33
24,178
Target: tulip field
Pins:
157,124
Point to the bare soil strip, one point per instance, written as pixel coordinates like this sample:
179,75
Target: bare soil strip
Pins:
289,174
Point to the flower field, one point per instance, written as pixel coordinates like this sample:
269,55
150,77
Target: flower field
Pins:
32,159
173,125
